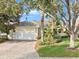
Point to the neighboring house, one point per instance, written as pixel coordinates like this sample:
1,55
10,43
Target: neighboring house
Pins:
25,31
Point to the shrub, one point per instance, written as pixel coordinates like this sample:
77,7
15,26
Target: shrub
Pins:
48,36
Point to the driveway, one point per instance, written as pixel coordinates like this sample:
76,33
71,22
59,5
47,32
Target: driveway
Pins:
17,50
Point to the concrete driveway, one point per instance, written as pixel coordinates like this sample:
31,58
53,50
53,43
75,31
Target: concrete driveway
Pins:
17,50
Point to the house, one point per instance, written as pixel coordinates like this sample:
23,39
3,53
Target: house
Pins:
25,31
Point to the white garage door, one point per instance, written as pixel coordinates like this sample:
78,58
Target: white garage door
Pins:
24,35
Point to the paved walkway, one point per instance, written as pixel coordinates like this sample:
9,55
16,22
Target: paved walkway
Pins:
21,50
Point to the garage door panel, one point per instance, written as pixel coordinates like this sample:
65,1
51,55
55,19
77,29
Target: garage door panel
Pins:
24,35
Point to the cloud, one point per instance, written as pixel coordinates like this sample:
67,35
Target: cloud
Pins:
33,15
18,1
23,17
33,12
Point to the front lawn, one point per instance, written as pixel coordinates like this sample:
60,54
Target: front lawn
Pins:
58,50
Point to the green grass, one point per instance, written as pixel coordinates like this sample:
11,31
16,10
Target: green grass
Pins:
58,50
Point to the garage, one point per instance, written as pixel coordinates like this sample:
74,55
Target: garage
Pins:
24,33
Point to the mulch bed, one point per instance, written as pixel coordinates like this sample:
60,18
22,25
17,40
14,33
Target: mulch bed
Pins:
72,49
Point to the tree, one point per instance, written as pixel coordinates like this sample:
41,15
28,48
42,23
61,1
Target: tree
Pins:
65,10
9,12
7,23
9,7
69,18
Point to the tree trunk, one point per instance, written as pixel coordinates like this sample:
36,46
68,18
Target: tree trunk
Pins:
42,38
42,25
72,39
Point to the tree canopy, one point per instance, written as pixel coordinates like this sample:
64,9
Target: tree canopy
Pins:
66,11
9,7
9,11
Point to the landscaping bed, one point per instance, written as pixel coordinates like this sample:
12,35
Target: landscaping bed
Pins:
3,40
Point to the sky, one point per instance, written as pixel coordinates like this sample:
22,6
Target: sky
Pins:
33,15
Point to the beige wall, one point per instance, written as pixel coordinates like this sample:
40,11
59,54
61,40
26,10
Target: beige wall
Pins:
28,28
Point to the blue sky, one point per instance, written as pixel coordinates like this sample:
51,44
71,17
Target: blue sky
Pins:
33,15
18,1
